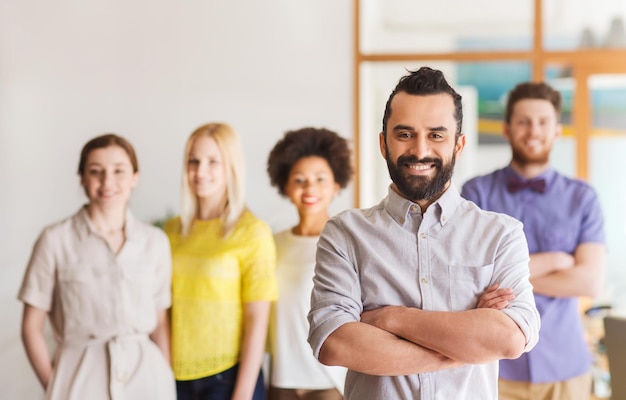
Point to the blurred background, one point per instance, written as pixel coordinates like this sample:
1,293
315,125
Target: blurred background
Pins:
153,71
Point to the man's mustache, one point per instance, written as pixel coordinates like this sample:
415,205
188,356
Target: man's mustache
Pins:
414,160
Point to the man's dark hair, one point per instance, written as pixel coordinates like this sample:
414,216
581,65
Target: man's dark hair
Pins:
425,81
532,90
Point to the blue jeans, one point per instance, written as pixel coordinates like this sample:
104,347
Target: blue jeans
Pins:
216,387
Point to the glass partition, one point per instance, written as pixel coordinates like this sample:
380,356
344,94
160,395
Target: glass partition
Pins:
607,161
483,85
563,156
584,24
420,26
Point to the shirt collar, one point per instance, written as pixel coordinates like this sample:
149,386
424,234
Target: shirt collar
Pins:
84,226
548,175
400,208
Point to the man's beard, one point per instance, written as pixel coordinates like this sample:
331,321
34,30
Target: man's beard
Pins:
522,158
417,188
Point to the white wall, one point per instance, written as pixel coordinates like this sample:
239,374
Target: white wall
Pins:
151,71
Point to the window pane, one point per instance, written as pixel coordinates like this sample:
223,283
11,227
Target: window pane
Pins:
606,159
412,26
577,24
563,157
492,80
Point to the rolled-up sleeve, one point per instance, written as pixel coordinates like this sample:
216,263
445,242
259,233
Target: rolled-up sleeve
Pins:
39,278
336,295
511,271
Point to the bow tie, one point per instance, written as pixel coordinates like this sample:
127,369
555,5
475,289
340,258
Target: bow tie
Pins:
537,185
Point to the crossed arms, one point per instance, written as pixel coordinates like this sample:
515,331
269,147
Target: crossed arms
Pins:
386,341
561,274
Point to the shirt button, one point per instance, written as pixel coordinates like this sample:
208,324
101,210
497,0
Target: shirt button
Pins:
444,218
122,376
424,280
423,236
413,208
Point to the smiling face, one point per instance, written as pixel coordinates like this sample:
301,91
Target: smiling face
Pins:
206,172
531,132
108,177
421,146
311,186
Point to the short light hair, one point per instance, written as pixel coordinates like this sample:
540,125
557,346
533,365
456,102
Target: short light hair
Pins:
532,90
230,147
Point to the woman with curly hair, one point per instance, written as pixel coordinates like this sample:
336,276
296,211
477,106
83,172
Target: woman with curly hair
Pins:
308,166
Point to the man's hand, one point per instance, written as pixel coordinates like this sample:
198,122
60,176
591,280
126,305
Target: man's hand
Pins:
495,298
380,317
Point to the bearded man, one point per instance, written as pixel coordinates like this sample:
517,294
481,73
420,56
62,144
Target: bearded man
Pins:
421,295
564,228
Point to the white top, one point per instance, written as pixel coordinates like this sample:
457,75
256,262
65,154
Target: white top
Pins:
293,363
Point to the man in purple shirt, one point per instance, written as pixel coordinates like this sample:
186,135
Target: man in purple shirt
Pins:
563,225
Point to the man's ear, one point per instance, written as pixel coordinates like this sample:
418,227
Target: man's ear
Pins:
558,132
382,144
460,144
506,132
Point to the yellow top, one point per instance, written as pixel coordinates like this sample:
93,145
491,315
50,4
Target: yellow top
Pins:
212,278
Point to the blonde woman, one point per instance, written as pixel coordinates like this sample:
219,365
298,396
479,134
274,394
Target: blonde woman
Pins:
223,274
103,279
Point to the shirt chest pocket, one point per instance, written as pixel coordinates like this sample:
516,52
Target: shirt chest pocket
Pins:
560,240
467,284
83,291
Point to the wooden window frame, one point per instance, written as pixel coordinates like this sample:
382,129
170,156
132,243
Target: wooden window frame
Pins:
583,62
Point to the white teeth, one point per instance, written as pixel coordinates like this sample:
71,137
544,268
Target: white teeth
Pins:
533,142
419,167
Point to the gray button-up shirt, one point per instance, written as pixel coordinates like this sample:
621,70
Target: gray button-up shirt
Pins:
442,260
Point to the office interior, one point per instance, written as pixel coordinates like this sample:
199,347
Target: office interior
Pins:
153,71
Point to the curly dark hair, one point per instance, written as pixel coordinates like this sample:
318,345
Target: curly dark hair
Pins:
309,142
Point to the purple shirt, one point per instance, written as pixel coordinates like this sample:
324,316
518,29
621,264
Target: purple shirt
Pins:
566,215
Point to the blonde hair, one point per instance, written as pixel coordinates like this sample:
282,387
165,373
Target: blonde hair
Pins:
229,145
